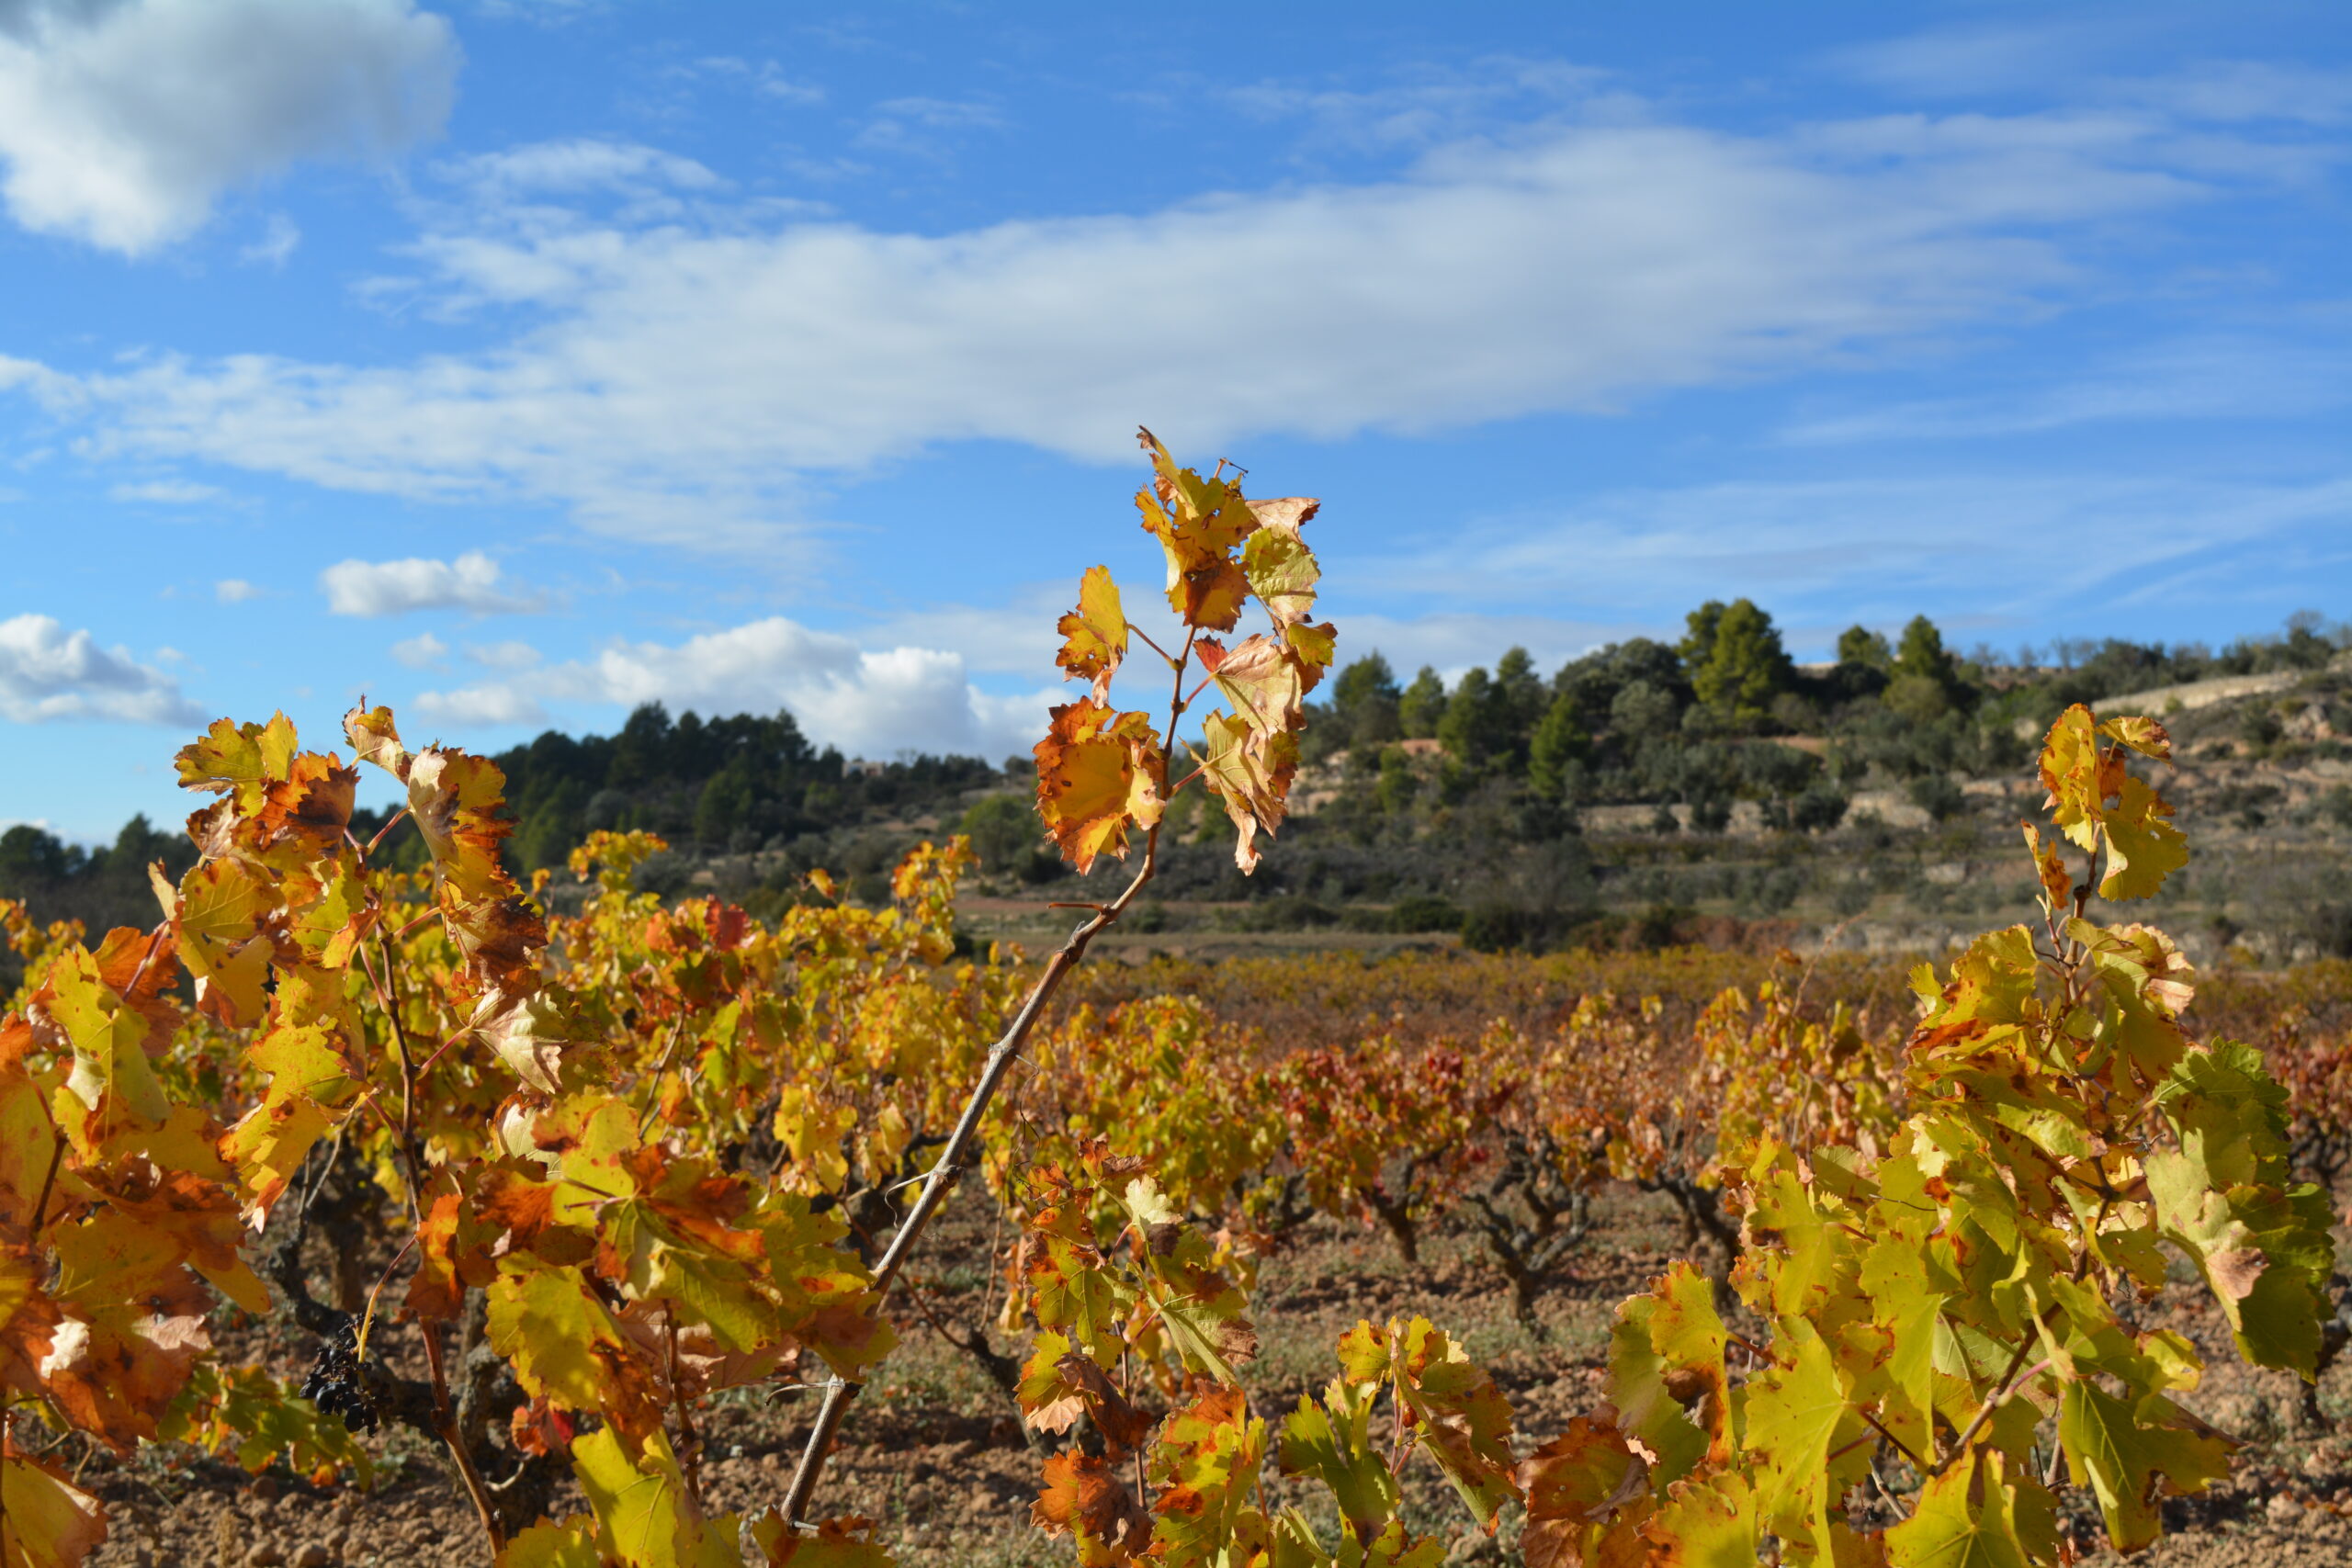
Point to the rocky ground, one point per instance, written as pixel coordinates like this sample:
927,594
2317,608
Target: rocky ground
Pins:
934,1454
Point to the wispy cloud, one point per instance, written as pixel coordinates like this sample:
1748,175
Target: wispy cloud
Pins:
2194,378
165,493
685,385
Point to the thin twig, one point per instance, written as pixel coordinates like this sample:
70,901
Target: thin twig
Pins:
841,1392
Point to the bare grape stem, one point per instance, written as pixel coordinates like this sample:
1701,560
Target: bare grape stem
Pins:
841,1392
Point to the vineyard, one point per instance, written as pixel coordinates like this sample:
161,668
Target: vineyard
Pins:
357,1213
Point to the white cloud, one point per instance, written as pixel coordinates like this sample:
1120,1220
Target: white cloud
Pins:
234,591
1821,554
503,654
48,672
872,703
122,124
396,587
578,165
165,493
422,651
276,244
688,381
2197,379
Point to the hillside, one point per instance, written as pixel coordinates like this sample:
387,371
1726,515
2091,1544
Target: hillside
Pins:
1642,794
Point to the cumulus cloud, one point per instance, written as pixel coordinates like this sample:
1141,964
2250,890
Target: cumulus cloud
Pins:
234,591
397,587
122,124
871,702
688,381
503,654
48,672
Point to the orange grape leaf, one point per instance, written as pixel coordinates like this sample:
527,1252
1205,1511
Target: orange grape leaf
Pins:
2057,881
845,1542
1085,1496
1094,635
455,799
1098,772
312,805
1458,1412
132,1326
1574,1485
1207,1461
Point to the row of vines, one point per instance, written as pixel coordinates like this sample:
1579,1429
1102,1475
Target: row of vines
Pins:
627,1158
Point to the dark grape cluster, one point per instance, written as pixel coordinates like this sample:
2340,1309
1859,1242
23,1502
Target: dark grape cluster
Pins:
338,1385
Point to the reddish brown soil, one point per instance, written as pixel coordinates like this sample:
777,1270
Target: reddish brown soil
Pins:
934,1454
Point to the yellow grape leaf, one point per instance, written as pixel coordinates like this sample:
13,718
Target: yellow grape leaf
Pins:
242,760
1260,678
1705,1522
47,1521
1976,1515
1251,773
1198,521
557,1332
110,1065
1794,1412
645,1516
571,1544
1331,1442
1281,569
2143,846
1094,635
375,740
1314,644
2082,776
216,911
1098,773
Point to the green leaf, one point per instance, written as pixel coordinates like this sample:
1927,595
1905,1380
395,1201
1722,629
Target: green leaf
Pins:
1706,1522
1329,1441
2119,1448
1794,1412
644,1515
1976,1516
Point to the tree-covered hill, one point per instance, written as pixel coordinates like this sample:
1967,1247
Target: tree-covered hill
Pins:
1641,788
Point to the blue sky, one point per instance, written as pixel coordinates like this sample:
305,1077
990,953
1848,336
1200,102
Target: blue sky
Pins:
518,363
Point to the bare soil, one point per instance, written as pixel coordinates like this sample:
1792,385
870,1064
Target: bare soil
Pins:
934,1453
